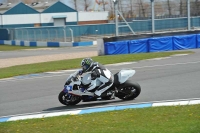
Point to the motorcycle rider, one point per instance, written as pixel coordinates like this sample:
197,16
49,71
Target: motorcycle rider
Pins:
98,72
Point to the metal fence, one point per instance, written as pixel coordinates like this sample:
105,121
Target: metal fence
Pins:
143,16
55,34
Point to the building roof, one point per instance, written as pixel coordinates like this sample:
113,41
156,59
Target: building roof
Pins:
35,7
6,6
51,7
41,6
16,8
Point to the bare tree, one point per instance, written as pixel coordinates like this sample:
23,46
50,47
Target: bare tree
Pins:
104,5
131,8
120,6
75,4
195,8
142,7
181,7
86,5
111,5
159,11
169,7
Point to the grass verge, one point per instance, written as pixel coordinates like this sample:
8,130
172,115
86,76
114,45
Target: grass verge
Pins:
11,48
75,63
178,119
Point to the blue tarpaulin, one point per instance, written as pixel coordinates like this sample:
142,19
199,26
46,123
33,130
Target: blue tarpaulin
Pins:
160,44
184,42
120,47
198,40
138,46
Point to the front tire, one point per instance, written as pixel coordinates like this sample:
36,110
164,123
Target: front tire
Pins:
129,91
67,99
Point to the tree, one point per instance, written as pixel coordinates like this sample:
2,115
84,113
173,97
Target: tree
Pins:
195,8
86,5
169,7
142,8
75,4
131,13
120,6
111,5
158,9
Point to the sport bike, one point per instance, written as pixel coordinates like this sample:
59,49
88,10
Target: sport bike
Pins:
75,88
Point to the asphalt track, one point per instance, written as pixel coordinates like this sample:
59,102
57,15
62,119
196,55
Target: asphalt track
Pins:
44,51
175,77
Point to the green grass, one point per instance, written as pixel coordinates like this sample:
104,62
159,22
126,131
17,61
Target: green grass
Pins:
75,63
178,119
12,48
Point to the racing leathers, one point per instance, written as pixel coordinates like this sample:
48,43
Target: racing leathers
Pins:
99,72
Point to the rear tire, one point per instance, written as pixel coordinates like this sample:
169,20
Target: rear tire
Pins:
130,90
67,99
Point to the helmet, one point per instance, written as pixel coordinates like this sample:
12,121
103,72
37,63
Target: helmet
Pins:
86,64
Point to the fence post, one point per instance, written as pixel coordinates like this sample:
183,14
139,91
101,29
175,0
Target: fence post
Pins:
34,36
188,14
8,34
64,34
40,34
27,36
14,34
116,17
72,36
22,36
56,36
48,34
152,16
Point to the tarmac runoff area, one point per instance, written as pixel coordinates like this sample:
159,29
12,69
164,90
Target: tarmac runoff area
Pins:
45,58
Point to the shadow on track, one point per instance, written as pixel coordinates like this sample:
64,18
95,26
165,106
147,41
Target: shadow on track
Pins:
85,105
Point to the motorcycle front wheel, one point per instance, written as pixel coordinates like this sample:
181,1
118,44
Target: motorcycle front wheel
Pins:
129,91
67,99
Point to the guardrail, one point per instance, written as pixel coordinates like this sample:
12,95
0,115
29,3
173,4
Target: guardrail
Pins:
46,44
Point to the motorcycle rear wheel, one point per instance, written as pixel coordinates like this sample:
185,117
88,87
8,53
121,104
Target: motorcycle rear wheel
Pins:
129,91
67,99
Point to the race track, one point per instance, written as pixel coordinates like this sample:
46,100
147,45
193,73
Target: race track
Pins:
176,77
45,51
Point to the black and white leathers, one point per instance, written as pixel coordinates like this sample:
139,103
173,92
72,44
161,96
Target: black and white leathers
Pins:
99,72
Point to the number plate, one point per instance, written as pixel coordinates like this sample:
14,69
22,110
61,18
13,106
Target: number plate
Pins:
68,87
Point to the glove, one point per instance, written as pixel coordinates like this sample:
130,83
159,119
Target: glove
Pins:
80,72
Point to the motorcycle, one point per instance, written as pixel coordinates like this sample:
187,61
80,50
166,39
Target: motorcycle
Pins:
75,88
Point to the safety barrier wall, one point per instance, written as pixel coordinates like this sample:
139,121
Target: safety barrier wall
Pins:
46,44
154,44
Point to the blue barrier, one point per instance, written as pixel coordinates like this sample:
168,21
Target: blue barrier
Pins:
33,44
1,42
21,43
138,46
185,42
13,43
52,44
198,40
120,47
160,44
82,43
156,44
